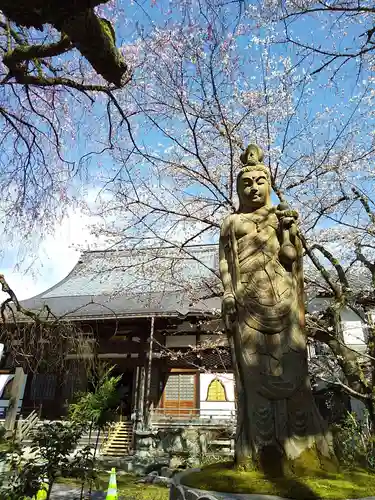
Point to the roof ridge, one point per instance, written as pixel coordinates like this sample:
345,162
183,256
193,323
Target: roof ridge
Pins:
117,250
113,295
86,260
68,276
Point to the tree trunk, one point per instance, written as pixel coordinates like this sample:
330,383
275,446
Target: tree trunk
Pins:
51,481
96,446
83,482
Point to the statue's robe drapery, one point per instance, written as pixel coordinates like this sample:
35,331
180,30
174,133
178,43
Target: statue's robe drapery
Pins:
276,406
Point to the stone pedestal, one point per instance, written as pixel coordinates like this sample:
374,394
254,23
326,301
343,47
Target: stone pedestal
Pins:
172,447
179,491
146,454
144,442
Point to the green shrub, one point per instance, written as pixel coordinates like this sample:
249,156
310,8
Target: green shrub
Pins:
354,442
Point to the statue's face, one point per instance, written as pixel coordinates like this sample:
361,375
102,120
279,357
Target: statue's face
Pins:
254,189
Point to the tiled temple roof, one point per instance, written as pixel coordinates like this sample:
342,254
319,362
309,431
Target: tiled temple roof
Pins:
140,282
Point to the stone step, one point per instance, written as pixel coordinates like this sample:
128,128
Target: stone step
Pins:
122,444
119,440
117,445
117,454
115,448
114,451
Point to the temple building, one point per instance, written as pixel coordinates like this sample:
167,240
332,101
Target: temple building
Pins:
168,347
154,315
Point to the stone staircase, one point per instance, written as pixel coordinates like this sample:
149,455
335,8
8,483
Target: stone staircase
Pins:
119,441
25,426
87,440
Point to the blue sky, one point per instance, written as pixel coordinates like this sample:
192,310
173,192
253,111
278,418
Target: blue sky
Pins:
56,257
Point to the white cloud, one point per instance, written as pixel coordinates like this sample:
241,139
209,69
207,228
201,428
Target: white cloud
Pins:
56,256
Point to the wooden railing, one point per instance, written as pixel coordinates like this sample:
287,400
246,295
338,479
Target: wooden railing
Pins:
195,415
24,426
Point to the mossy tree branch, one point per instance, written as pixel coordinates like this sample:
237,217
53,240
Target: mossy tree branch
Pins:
328,328
347,359
336,264
17,61
365,203
12,299
24,52
79,26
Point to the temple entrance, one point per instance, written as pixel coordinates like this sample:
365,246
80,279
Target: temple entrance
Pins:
180,394
125,389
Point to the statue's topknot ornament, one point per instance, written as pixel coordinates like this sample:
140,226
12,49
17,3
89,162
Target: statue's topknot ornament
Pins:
253,155
252,159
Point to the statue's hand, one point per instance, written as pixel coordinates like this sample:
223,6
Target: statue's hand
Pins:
288,224
229,304
287,217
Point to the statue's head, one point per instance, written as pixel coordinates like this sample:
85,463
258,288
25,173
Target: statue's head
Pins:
253,180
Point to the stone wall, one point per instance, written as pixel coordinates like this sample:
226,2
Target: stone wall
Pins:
181,447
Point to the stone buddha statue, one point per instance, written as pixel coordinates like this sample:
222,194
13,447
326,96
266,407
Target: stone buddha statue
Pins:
263,307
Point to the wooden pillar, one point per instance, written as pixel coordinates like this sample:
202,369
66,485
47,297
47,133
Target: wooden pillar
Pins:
140,395
134,394
58,409
15,396
147,402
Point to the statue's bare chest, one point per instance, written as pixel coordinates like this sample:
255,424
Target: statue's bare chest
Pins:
245,225
242,228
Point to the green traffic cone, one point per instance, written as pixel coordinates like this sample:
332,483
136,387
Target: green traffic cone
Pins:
112,486
42,492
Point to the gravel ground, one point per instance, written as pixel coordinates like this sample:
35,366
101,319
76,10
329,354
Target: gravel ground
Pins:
63,491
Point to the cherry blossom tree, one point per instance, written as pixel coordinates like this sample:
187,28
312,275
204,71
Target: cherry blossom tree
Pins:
59,65
211,83
345,276
335,34
208,85
336,40
209,78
